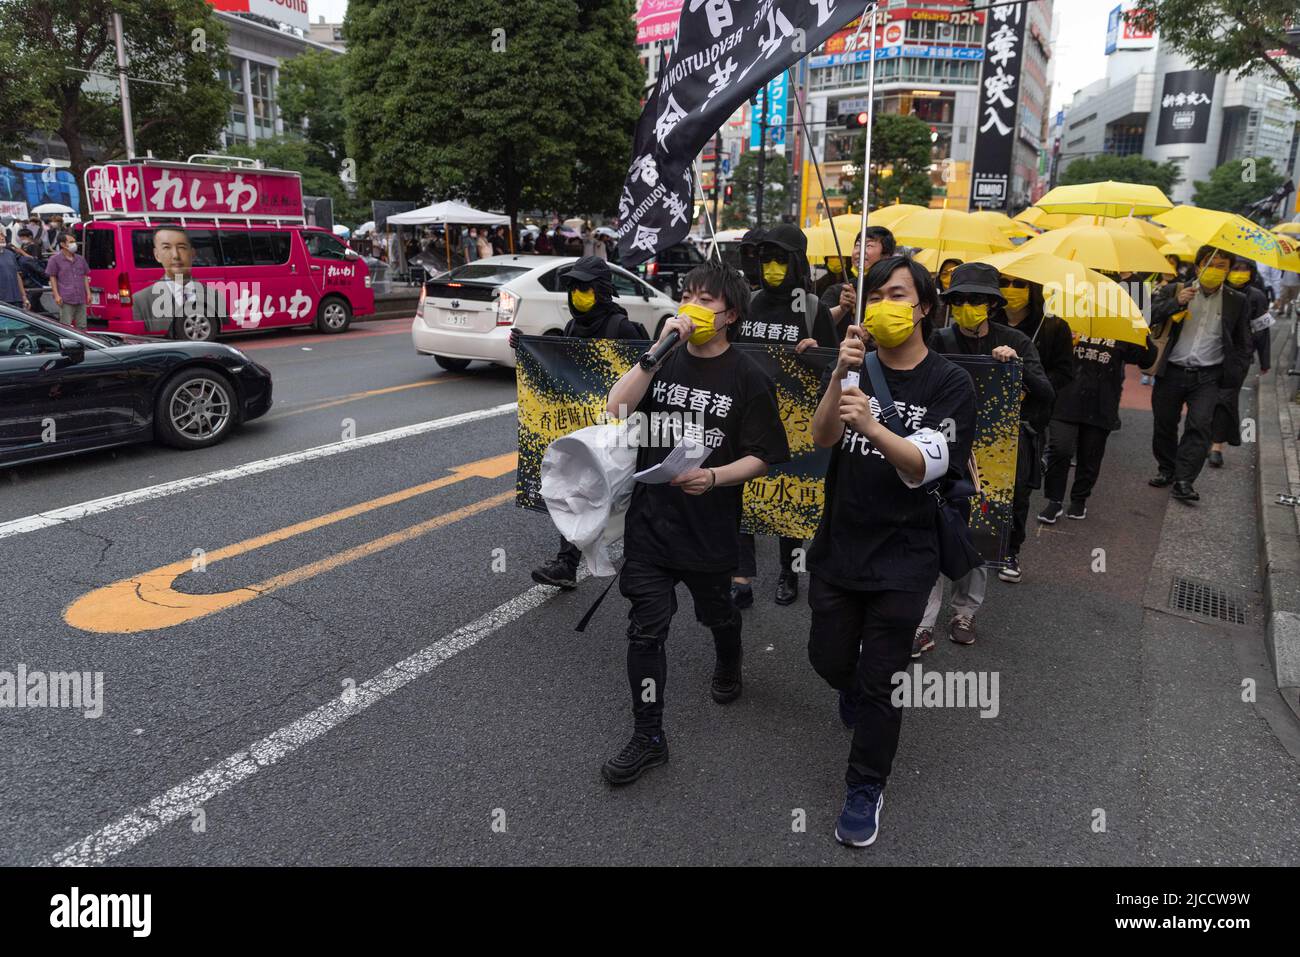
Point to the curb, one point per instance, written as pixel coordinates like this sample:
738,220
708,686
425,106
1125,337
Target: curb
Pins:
1279,525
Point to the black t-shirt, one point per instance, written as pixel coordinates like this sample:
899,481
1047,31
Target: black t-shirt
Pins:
737,402
876,534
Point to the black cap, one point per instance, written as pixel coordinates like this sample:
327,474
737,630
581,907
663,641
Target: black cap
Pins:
588,269
753,237
789,237
975,278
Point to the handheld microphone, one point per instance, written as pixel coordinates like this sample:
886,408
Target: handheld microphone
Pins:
653,357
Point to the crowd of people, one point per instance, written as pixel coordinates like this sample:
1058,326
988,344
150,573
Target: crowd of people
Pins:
898,417
36,254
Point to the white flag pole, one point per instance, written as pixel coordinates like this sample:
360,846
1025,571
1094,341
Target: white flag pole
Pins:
866,163
708,216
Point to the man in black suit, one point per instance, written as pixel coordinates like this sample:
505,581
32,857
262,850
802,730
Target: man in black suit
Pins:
1208,349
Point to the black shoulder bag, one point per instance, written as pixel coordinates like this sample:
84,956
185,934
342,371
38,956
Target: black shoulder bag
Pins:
957,555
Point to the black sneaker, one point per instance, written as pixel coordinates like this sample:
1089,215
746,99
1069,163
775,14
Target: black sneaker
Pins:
556,573
742,595
787,588
726,684
1184,492
1163,480
638,756
1216,459
1012,572
1077,510
1050,513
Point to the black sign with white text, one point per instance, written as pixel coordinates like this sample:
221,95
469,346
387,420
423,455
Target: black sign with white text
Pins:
726,50
1185,105
1004,41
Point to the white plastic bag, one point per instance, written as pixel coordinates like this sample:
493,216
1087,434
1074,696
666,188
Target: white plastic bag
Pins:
587,485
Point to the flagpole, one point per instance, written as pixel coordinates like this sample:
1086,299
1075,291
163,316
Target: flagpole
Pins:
708,215
817,169
866,164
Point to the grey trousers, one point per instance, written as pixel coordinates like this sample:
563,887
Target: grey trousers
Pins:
967,596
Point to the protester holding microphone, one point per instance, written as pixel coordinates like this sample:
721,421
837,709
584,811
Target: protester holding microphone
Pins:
689,530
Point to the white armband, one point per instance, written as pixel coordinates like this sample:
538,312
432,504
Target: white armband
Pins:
934,450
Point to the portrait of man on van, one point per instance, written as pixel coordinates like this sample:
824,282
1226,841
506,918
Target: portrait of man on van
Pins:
177,295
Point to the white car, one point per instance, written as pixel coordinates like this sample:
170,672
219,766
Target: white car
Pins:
468,313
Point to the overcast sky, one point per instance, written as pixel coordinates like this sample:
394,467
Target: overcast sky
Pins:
1079,51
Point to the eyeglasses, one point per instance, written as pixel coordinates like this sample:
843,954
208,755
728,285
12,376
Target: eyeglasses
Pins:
1014,283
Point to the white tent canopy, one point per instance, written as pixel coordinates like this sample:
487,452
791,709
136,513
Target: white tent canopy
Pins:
449,211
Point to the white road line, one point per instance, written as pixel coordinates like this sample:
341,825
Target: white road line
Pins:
128,831
70,513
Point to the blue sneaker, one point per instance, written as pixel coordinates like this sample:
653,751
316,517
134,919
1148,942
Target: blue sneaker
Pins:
848,710
859,822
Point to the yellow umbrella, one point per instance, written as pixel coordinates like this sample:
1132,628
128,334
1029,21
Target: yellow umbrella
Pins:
1004,222
1035,217
931,260
1180,245
1288,229
948,231
1152,232
1234,234
1106,199
822,244
888,215
1100,247
1091,304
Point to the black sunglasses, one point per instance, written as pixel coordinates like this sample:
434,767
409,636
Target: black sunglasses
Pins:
1015,284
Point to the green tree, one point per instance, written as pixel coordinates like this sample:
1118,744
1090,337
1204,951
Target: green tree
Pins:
310,94
513,104
1122,169
741,212
901,152
295,153
1236,184
1242,36
58,73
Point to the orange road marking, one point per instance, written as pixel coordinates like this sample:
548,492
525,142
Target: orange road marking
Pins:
150,601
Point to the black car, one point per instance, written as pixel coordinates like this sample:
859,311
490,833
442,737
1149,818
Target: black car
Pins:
63,390
667,269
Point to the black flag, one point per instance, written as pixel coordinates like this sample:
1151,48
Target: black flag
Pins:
726,50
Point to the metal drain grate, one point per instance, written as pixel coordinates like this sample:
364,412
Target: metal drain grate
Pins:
1206,600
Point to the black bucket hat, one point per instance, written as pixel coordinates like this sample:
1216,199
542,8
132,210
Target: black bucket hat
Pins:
970,279
787,236
588,269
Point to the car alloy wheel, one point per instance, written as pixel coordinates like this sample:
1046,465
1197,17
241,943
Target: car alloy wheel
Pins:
196,328
200,409
334,315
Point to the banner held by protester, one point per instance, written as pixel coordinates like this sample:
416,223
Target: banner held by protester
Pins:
563,385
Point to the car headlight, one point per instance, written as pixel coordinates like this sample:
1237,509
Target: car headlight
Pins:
507,307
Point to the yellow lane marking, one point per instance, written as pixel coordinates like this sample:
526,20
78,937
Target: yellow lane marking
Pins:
356,396
150,601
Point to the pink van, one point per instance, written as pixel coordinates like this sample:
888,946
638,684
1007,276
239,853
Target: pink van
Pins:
193,250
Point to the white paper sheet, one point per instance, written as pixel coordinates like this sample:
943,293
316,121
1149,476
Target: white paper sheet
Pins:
688,455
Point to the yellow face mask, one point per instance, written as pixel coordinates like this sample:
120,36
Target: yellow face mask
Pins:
890,322
704,319
1017,299
970,315
1212,277
945,278
583,299
1239,277
774,273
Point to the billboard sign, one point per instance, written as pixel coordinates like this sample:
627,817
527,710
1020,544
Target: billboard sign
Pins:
289,12
776,94
1123,35
999,92
180,189
1185,105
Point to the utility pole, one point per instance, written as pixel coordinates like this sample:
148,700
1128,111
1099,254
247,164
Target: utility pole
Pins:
128,131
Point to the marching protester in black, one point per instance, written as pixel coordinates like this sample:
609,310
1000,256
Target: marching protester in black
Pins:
1024,311
1208,350
975,302
876,552
689,531
595,315
841,298
749,264
781,312
1226,425
1085,414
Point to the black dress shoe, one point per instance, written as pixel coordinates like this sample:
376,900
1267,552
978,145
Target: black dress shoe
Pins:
742,595
787,588
1184,492
1216,459
1161,481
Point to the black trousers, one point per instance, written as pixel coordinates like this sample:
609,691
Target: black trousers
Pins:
1262,341
1183,457
1029,476
858,641
652,591
1081,441
748,567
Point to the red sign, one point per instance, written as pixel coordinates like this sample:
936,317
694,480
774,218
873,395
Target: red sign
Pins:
201,192
657,20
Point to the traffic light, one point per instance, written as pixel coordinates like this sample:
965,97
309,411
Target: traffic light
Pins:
856,121
726,195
